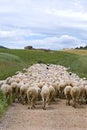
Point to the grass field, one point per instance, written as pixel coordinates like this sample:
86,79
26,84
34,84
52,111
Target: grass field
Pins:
9,64
12,60
77,51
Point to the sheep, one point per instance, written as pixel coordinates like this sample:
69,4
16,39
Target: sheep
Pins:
2,82
23,93
14,86
52,93
7,91
32,95
62,84
18,91
50,79
67,94
45,93
10,80
75,95
55,85
81,94
40,84
85,94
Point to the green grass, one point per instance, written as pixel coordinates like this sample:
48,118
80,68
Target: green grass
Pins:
77,51
12,60
17,59
79,66
9,64
3,104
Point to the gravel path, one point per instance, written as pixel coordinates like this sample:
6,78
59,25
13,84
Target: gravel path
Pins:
58,116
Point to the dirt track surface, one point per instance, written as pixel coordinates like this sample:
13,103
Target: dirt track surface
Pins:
58,116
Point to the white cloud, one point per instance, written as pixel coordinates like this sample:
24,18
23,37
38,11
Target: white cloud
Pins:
64,41
43,23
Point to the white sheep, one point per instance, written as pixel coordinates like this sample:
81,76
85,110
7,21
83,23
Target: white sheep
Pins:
18,91
81,94
62,84
10,80
7,90
67,91
2,82
14,86
32,95
75,92
23,93
52,93
45,93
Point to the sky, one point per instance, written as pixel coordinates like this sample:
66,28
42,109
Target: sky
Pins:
49,24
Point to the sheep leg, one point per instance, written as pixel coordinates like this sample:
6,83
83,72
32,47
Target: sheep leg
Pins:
74,103
86,99
46,101
68,102
51,97
44,104
26,99
28,102
49,101
32,103
22,99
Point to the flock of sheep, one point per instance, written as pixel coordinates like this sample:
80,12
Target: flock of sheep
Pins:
45,82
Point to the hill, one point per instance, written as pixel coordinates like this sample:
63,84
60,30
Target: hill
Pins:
76,51
76,61
2,47
9,64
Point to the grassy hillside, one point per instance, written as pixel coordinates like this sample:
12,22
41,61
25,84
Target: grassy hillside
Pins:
76,51
9,64
80,65
17,59
76,61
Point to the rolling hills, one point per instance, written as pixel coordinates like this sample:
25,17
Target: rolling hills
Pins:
12,60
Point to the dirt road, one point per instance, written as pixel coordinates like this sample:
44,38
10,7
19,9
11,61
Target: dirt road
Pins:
58,116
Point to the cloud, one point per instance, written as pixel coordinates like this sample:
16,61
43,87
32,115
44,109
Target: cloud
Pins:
48,24
57,43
